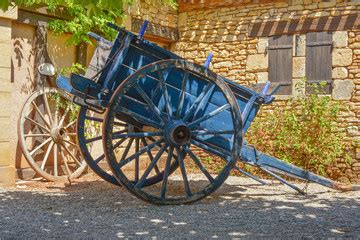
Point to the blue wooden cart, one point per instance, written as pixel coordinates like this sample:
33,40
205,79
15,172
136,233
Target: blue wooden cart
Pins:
172,130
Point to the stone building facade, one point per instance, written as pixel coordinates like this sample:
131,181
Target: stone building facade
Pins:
243,37
238,34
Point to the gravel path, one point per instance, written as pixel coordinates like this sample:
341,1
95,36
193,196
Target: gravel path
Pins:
94,209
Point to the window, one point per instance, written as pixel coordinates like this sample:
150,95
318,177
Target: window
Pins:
280,62
318,58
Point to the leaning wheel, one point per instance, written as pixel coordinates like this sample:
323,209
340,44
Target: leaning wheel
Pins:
89,125
47,135
191,117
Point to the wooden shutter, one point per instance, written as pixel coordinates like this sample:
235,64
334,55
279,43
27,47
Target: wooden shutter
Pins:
318,58
280,62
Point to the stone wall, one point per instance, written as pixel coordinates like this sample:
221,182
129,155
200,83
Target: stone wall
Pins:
225,32
163,20
7,167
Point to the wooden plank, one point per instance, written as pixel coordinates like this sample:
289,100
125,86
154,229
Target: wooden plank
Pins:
336,23
280,61
318,58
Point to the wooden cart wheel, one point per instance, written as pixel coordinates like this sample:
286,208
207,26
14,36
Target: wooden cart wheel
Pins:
89,125
47,135
187,114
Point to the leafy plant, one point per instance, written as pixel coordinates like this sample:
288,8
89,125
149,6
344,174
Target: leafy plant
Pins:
82,16
304,131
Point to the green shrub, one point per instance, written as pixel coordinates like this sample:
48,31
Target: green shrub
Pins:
304,131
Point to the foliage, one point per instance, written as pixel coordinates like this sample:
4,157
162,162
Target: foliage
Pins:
75,68
83,15
304,132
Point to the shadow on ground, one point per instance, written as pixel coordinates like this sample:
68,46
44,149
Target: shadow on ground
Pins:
241,209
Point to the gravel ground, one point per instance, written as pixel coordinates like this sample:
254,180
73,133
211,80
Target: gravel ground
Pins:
92,208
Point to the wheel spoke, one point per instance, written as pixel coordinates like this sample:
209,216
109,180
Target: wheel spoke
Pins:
70,124
183,172
215,150
194,106
158,145
150,155
182,95
140,118
101,157
41,115
216,132
137,160
38,124
210,115
40,146
70,153
166,173
46,157
166,94
70,142
137,135
150,103
141,151
198,163
94,139
62,119
90,140
120,124
202,105
94,119
67,169
126,151
47,107
152,165
56,160
37,135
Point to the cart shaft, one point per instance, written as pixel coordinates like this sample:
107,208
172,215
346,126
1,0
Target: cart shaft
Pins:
252,156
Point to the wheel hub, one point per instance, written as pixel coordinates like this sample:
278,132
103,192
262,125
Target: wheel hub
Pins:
177,133
57,134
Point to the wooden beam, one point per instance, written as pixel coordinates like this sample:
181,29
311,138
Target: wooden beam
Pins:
191,5
166,34
292,26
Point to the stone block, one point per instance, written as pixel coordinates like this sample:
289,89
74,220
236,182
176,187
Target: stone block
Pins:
5,30
342,57
328,4
262,77
353,130
5,79
339,73
262,45
6,52
343,89
257,62
300,48
11,13
299,67
5,154
357,154
182,19
340,39
7,174
5,105
226,64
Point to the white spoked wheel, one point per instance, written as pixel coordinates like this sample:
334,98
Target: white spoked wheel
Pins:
47,135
